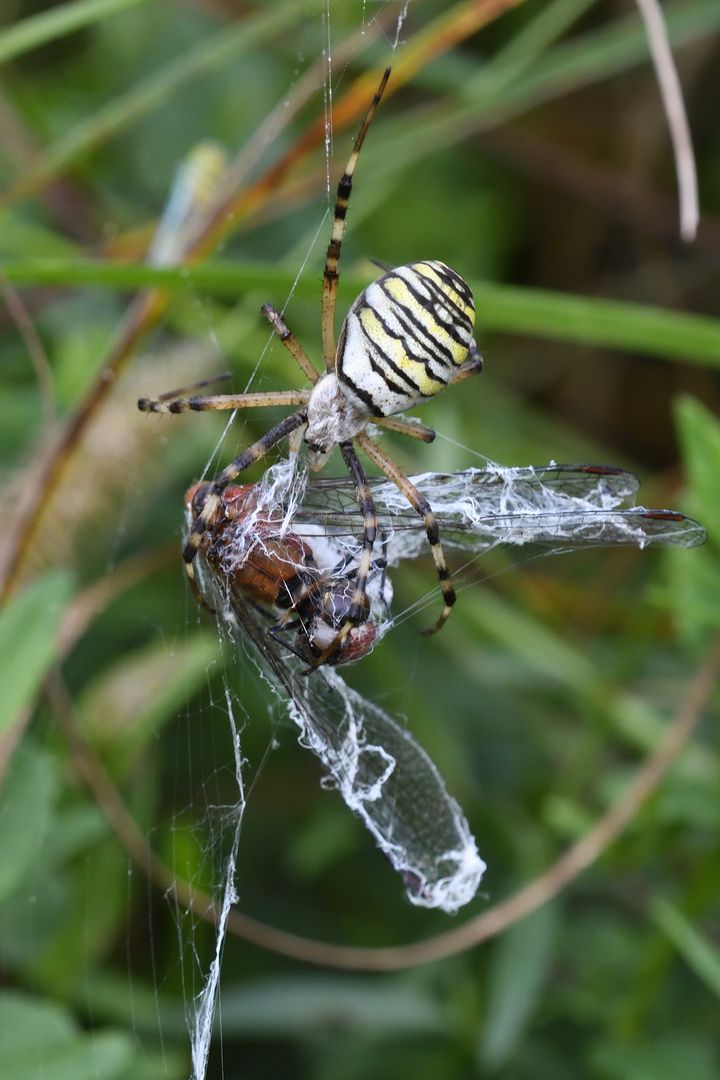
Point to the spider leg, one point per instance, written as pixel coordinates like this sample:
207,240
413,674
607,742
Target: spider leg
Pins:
213,497
419,503
358,606
290,342
223,401
276,633
330,275
357,612
406,426
193,386
472,366
381,565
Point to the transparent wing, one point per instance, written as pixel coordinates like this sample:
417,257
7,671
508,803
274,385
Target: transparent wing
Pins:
383,775
556,506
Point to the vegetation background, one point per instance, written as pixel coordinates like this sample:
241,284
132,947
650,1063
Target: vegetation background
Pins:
530,152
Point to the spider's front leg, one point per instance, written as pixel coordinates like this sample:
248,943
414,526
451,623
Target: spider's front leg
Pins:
172,403
214,495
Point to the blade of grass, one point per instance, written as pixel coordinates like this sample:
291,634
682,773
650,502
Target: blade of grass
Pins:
28,648
49,25
530,42
697,953
615,324
670,335
28,644
603,54
152,92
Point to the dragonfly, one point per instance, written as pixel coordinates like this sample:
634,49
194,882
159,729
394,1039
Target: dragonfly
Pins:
251,569
306,534
286,545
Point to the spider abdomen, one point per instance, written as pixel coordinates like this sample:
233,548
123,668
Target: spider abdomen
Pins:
405,337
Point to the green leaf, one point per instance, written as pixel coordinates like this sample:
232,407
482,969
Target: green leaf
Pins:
699,434
18,236
519,970
699,954
27,803
40,1038
129,701
28,626
693,594
665,1058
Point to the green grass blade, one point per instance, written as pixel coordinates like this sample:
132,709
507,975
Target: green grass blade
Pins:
28,627
39,29
606,53
530,42
518,974
698,954
615,324
152,92
670,335
28,802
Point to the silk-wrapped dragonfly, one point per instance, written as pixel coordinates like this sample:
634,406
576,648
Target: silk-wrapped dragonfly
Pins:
294,545
281,557
253,573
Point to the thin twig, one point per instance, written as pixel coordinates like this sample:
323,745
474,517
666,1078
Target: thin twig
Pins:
38,357
671,93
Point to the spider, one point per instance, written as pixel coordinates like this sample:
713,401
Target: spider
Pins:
406,337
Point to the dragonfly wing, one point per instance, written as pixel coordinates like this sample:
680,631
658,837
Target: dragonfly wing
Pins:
555,506
382,773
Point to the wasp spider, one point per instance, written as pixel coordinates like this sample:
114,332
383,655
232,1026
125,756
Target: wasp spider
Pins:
408,335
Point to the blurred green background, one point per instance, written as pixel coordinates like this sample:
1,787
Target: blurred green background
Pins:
531,155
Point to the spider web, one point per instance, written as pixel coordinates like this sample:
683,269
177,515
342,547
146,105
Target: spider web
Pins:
384,777
370,758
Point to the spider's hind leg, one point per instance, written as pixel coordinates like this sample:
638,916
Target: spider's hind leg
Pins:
158,404
422,506
472,366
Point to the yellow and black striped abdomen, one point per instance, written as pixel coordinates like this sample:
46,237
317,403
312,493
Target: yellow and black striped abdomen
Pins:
405,337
